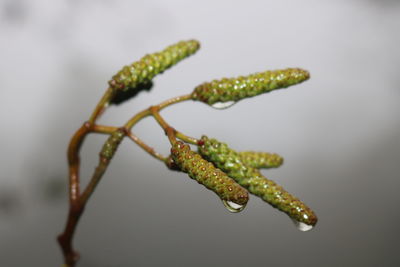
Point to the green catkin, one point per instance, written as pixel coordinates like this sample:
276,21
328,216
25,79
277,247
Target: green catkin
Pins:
144,70
230,162
235,89
111,145
261,160
206,174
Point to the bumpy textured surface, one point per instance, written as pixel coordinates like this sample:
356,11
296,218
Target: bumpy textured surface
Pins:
205,173
111,145
235,89
261,160
170,163
150,65
230,162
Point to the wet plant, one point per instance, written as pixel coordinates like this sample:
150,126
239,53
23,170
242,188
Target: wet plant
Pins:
230,174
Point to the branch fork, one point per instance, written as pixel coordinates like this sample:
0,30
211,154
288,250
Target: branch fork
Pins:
209,166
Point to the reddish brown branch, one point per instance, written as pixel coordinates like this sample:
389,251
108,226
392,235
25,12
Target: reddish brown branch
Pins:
98,173
77,201
145,147
75,209
74,160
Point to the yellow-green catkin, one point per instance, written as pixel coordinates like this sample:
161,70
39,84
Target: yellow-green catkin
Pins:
206,174
230,162
261,160
235,89
111,145
144,70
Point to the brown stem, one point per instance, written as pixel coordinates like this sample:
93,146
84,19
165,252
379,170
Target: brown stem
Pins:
104,129
76,206
65,239
102,105
174,100
169,131
154,111
145,147
187,139
141,115
74,160
171,135
75,209
98,173
77,201
147,112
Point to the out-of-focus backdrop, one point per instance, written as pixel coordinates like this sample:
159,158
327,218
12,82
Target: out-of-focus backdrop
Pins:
339,132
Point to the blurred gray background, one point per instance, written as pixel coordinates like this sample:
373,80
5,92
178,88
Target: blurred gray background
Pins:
339,132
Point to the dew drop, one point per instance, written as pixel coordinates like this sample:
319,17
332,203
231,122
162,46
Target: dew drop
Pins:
232,206
223,105
302,226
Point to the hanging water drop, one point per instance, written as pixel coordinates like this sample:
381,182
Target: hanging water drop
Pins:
302,226
223,105
232,206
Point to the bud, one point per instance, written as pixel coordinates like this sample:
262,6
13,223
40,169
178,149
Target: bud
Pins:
170,163
229,161
150,65
111,145
235,89
206,174
261,160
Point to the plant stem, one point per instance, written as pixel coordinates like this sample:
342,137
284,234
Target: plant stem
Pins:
104,129
154,111
78,201
169,131
171,135
98,173
75,208
102,105
185,138
65,239
174,100
147,148
146,112
74,160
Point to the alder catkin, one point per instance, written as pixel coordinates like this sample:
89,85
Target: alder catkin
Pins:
229,161
112,143
260,160
146,68
206,174
235,89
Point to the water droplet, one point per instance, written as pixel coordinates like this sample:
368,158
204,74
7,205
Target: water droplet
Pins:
302,226
223,105
232,206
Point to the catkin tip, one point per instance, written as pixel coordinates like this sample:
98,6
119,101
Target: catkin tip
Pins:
205,173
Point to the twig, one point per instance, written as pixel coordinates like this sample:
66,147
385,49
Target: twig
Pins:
129,80
78,201
145,147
